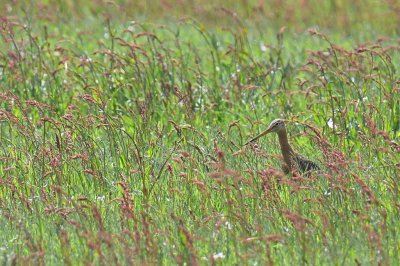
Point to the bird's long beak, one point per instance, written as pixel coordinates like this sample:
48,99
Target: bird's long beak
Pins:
262,134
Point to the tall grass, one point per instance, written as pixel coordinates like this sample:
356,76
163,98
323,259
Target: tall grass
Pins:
122,141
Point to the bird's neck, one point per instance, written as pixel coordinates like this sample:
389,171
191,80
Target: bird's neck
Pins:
286,149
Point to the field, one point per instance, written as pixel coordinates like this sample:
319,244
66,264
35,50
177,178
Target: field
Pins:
123,124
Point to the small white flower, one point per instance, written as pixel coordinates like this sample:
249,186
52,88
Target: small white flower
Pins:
263,47
219,255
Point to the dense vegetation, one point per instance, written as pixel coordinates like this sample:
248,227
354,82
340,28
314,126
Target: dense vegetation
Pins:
122,128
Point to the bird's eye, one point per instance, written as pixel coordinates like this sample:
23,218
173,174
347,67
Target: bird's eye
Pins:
276,123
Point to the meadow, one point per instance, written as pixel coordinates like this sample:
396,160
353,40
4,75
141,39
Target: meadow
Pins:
122,131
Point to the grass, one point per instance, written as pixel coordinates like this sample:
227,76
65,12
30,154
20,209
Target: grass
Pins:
122,131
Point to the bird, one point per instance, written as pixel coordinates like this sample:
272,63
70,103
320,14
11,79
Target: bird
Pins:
291,158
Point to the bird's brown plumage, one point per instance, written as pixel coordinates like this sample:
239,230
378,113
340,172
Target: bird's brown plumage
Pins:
291,158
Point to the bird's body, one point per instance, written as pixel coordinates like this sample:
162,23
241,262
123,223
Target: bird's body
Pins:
292,160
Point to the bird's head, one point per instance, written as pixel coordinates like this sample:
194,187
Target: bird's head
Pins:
277,125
